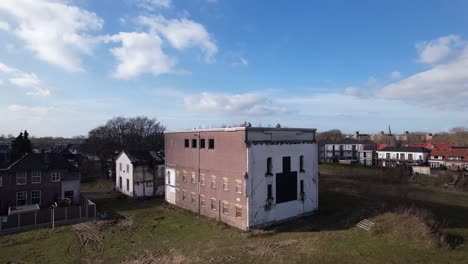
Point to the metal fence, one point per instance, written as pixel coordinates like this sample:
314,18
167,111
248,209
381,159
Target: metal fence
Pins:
48,217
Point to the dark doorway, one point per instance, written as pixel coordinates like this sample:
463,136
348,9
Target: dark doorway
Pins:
286,183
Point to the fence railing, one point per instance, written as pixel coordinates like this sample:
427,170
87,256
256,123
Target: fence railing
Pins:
48,217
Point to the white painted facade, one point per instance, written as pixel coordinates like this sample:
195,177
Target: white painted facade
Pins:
170,183
389,158
257,182
124,180
137,181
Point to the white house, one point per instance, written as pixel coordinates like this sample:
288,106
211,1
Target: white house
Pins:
140,173
393,156
349,151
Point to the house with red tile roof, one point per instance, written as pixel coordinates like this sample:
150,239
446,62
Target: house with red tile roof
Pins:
430,145
453,159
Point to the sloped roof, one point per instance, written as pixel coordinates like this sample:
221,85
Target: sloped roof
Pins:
143,157
430,145
41,161
405,149
454,152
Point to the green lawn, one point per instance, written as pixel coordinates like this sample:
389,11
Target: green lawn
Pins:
160,234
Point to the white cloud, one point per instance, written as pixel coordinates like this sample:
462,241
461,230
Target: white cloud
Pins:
26,80
140,53
7,69
438,50
4,26
1,82
445,85
182,34
153,4
249,104
241,63
395,75
32,82
29,110
54,30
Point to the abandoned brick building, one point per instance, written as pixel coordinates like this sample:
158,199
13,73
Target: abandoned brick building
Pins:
245,176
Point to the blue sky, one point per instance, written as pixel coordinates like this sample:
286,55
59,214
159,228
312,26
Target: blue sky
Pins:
67,66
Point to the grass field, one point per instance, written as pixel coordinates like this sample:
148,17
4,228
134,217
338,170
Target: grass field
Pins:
149,232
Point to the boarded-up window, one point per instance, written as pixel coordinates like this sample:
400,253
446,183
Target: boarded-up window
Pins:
225,207
225,185
238,186
213,204
202,179
213,182
202,200
238,211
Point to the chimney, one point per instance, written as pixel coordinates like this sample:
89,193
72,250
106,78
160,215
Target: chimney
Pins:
357,133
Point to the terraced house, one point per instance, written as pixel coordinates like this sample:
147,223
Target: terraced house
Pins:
40,178
244,176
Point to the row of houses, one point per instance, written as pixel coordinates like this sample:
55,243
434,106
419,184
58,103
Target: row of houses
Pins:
366,152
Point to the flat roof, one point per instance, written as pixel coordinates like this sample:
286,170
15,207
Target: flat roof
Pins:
231,129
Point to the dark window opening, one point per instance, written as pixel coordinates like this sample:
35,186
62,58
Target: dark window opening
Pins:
286,164
269,166
301,188
128,185
202,143
270,192
69,195
186,143
194,143
301,163
211,143
120,183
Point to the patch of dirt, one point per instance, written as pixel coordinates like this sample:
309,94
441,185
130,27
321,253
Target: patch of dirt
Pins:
269,249
149,258
89,235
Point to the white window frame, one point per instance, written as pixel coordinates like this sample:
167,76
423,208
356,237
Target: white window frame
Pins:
36,174
202,179
192,178
23,175
54,175
225,184
213,182
40,196
238,186
25,197
225,205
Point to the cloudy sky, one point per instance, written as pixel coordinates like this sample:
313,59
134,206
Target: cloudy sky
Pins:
67,66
